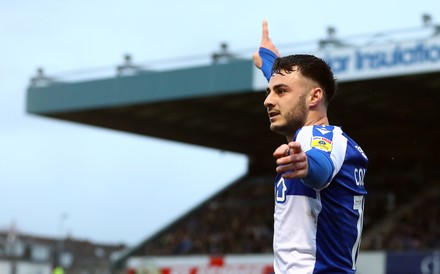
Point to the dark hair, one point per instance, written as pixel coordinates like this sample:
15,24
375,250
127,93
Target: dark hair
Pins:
311,67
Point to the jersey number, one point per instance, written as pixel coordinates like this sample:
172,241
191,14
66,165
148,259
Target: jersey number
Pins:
281,191
358,204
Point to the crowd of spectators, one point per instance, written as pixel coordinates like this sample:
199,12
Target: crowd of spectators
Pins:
417,229
239,220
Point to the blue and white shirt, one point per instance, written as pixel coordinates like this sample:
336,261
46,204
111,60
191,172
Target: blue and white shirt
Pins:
319,231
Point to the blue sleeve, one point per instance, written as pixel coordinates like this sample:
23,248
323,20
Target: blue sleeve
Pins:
320,169
268,57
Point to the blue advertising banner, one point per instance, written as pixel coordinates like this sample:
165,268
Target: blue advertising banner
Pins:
416,262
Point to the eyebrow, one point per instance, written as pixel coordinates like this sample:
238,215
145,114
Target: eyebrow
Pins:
280,86
276,87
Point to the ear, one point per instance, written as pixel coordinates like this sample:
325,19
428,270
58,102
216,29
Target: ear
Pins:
316,96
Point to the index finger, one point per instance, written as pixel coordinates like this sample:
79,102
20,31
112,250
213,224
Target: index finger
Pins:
266,42
295,146
265,34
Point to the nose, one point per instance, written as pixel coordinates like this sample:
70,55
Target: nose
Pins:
268,102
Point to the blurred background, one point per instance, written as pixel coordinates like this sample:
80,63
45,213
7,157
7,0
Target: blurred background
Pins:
71,184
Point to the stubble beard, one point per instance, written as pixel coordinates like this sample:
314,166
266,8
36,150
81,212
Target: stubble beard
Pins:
295,119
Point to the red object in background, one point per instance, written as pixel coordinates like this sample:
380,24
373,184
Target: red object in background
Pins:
268,270
217,261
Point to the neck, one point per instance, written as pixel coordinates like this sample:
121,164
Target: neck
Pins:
314,118
317,120
317,116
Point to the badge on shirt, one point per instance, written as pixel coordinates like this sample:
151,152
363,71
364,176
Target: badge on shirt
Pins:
322,143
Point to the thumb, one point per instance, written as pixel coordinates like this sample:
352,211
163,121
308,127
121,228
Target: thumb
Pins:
258,62
281,151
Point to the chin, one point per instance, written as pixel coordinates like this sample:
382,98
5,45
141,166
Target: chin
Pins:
278,129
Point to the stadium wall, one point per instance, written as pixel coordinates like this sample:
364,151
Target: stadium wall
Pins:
369,262
23,267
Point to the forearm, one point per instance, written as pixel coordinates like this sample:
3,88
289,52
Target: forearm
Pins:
320,169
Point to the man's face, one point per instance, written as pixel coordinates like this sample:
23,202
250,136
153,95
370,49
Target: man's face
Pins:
287,102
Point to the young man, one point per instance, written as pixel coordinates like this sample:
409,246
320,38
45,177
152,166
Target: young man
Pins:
319,188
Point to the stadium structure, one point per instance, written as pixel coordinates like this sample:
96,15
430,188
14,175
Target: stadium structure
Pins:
387,100
26,253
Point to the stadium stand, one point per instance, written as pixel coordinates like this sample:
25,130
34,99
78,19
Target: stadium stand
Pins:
413,226
237,220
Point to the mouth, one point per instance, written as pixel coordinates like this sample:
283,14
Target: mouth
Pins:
273,115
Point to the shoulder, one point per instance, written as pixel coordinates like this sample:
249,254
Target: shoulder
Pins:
320,130
320,137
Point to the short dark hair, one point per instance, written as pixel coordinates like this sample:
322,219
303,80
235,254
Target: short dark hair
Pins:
311,67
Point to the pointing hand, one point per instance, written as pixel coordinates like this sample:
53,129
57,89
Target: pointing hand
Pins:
267,43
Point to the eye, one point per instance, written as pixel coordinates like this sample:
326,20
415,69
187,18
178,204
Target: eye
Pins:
280,91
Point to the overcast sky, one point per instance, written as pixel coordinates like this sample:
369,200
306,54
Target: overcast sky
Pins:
59,177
